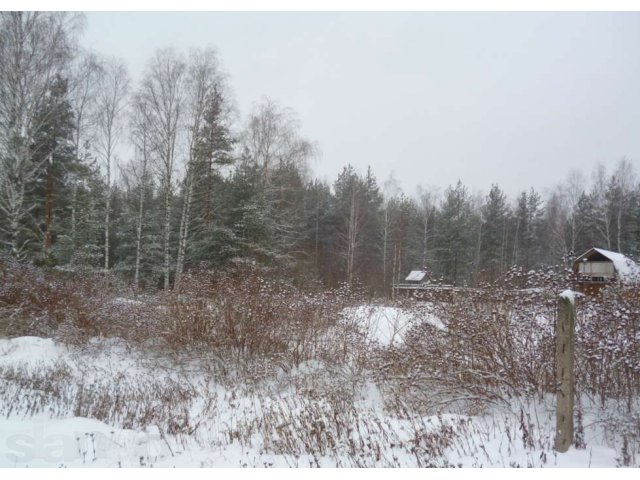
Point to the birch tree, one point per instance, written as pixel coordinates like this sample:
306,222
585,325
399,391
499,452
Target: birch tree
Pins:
205,105
358,203
110,114
162,92
427,208
622,185
573,193
35,49
272,137
83,93
140,170
272,145
601,205
391,190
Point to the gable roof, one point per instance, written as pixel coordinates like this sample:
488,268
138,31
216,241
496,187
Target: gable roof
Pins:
416,276
627,269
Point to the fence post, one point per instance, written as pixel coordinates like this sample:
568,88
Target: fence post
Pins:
565,339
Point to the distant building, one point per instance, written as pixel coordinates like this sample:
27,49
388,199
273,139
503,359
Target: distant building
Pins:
417,281
596,268
417,277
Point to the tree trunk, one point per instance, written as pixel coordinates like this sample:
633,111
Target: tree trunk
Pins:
503,247
393,268
74,200
424,243
317,232
48,209
619,229
136,276
352,235
167,232
107,214
184,228
384,249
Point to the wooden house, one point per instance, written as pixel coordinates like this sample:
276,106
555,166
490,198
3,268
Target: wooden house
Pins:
596,268
417,277
417,283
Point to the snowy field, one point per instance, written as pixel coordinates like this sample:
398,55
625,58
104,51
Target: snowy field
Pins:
106,404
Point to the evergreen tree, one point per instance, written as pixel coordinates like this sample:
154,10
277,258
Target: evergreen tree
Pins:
213,150
319,230
456,238
528,230
494,226
357,219
52,150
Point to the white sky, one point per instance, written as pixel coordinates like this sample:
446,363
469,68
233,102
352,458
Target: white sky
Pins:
514,98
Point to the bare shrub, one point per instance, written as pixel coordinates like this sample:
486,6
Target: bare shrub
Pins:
491,349
250,314
497,343
38,301
608,344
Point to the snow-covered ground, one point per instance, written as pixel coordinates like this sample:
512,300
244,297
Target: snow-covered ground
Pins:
388,325
109,405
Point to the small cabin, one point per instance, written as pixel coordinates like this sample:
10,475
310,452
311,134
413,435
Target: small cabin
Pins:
417,277
416,281
596,268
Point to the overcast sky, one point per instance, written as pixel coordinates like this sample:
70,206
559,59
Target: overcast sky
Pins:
517,99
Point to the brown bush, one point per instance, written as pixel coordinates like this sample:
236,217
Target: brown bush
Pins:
39,302
249,313
608,344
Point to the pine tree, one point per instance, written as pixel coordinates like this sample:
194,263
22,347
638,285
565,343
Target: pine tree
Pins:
35,50
52,149
357,220
319,230
213,150
528,238
455,236
494,224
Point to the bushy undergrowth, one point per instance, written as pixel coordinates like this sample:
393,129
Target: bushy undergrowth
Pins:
41,302
245,316
499,342
608,345
245,327
250,314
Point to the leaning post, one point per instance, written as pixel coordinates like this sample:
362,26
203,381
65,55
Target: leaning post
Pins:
565,379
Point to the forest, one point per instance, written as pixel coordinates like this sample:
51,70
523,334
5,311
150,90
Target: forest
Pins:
151,178
179,288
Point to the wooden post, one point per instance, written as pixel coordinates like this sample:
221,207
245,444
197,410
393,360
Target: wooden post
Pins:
565,336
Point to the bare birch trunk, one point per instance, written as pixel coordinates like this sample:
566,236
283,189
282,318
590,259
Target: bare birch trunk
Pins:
184,229
136,276
317,232
167,233
107,210
619,229
394,270
352,236
74,200
384,248
424,243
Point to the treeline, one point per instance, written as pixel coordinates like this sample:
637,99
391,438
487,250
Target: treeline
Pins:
204,188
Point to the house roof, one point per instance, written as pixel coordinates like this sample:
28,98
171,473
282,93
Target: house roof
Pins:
416,276
627,269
